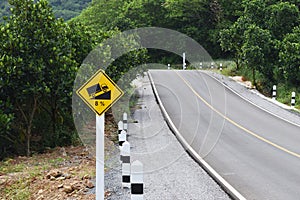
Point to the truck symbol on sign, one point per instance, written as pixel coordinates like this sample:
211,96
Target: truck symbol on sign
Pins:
99,91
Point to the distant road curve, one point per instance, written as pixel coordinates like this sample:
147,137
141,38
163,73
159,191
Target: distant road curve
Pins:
254,151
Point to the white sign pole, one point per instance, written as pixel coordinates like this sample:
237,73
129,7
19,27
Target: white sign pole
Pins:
100,157
183,61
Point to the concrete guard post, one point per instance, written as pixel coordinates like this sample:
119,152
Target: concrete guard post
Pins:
120,127
137,181
122,138
125,122
274,92
125,159
293,100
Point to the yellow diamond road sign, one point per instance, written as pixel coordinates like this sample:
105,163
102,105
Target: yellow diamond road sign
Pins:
99,92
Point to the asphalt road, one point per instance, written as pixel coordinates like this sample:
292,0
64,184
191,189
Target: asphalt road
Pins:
253,150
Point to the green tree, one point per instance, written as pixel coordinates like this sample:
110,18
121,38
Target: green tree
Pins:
39,58
232,38
290,57
282,18
255,49
6,141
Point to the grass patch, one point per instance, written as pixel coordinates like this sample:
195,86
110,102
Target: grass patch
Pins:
19,190
284,95
10,166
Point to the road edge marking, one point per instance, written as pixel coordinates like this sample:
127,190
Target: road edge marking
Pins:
216,176
236,124
260,107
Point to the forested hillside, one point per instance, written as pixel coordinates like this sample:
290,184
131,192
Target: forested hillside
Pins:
261,36
40,54
65,9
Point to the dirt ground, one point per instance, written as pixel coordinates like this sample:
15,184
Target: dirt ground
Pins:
59,174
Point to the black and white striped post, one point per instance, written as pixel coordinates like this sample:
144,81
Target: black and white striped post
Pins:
293,100
122,138
125,159
137,181
183,61
274,92
120,127
212,65
221,68
201,65
125,122
169,67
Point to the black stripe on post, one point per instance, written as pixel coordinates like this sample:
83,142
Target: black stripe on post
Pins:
125,159
137,188
126,179
121,143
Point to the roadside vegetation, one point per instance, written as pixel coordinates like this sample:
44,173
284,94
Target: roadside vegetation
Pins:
66,9
284,92
40,54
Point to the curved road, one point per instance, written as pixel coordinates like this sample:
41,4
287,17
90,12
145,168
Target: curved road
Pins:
253,150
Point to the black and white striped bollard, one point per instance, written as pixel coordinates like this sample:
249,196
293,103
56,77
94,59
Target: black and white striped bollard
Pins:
293,100
183,61
122,138
137,181
120,127
274,92
125,159
125,122
221,69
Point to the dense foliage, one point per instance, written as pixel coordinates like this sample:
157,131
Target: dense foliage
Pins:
40,54
264,39
39,57
257,34
65,9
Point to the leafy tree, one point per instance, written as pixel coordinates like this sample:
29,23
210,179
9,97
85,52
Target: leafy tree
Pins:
255,48
255,10
39,59
6,141
65,9
290,57
230,11
232,38
282,18
195,18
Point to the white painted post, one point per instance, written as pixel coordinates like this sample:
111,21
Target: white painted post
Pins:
169,67
221,69
120,127
274,92
137,181
100,157
183,61
125,159
122,138
293,101
201,65
212,65
125,122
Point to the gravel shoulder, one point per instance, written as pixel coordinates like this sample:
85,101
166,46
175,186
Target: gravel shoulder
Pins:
169,171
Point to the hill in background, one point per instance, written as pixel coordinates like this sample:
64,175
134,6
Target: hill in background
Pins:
65,9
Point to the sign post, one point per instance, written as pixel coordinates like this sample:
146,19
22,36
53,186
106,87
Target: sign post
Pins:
99,93
100,157
183,61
